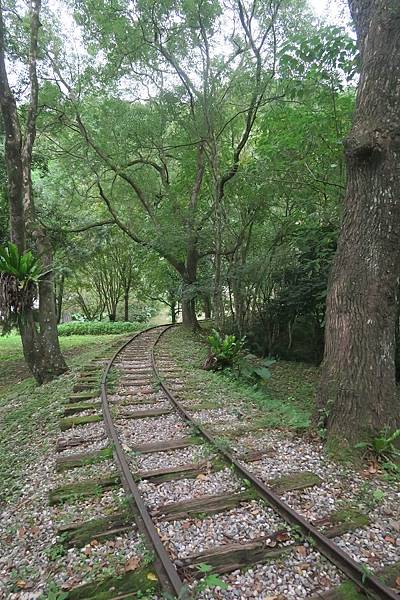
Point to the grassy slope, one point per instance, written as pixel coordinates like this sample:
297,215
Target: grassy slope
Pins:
28,413
286,400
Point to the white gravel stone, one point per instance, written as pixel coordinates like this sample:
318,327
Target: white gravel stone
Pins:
289,578
242,524
185,489
137,431
90,431
172,458
95,561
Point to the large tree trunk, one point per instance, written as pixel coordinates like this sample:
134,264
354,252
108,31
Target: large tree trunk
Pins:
40,340
189,318
397,338
357,392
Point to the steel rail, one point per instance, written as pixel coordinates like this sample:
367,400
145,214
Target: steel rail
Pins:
166,570
366,582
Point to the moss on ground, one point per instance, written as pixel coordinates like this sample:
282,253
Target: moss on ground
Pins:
142,580
83,489
69,422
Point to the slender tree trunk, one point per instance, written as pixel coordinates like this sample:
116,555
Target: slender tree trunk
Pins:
357,390
207,306
126,305
59,298
173,312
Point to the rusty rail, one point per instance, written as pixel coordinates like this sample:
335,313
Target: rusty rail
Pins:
163,565
166,570
367,583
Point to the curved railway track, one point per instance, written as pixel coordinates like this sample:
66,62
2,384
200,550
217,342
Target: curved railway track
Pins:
137,361
184,485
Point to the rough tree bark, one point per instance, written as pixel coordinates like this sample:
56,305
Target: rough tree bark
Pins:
207,306
60,297
188,272
357,392
39,340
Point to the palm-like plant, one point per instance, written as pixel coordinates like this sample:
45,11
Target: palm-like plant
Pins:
19,273
24,267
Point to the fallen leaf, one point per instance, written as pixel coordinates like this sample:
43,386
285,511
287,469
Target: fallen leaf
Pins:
395,525
94,543
282,536
301,550
398,582
389,539
201,476
372,468
132,564
152,576
21,533
21,584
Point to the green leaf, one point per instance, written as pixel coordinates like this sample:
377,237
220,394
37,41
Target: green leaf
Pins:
204,568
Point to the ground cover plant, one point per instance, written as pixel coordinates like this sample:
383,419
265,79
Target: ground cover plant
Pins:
285,399
29,414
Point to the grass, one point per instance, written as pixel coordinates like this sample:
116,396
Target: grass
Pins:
12,365
29,414
286,400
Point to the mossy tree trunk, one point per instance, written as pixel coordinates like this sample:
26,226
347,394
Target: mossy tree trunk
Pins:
357,391
40,340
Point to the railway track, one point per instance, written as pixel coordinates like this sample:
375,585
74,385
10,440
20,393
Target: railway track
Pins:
146,419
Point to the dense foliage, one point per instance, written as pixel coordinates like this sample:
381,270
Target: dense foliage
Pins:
209,183
97,328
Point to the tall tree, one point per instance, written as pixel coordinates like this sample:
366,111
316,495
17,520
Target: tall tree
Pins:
40,341
206,84
357,393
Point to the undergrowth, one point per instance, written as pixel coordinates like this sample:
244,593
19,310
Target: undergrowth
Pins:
98,328
285,400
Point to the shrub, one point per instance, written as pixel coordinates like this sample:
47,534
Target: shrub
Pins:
141,314
224,350
97,328
253,368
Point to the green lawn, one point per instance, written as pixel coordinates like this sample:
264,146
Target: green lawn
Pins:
12,364
11,347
